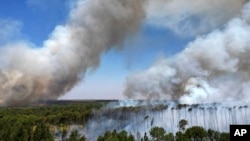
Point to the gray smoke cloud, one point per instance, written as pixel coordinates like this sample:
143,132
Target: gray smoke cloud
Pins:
192,17
212,68
29,74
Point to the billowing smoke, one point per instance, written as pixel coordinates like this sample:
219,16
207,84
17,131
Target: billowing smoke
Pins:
29,74
192,17
138,117
214,67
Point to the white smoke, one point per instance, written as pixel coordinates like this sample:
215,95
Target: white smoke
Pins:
137,117
192,17
29,74
197,91
214,67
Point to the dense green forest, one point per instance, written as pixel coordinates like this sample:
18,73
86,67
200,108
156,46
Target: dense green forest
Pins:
36,123
39,123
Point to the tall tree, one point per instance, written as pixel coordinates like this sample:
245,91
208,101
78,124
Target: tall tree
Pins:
180,136
196,133
157,133
168,137
182,125
145,137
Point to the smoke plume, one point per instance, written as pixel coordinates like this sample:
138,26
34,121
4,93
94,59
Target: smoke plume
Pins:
29,74
214,67
192,17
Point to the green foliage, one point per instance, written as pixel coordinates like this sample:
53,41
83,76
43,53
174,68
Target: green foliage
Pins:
131,138
181,136
168,137
116,136
196,133
11,130
182,124
213,135
52,114
145,137
36,124
157,133
42,133
33,123
224,137
24,133
75,136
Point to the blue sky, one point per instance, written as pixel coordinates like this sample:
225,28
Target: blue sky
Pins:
34,20
36,17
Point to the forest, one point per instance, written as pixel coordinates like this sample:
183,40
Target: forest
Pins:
39,123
